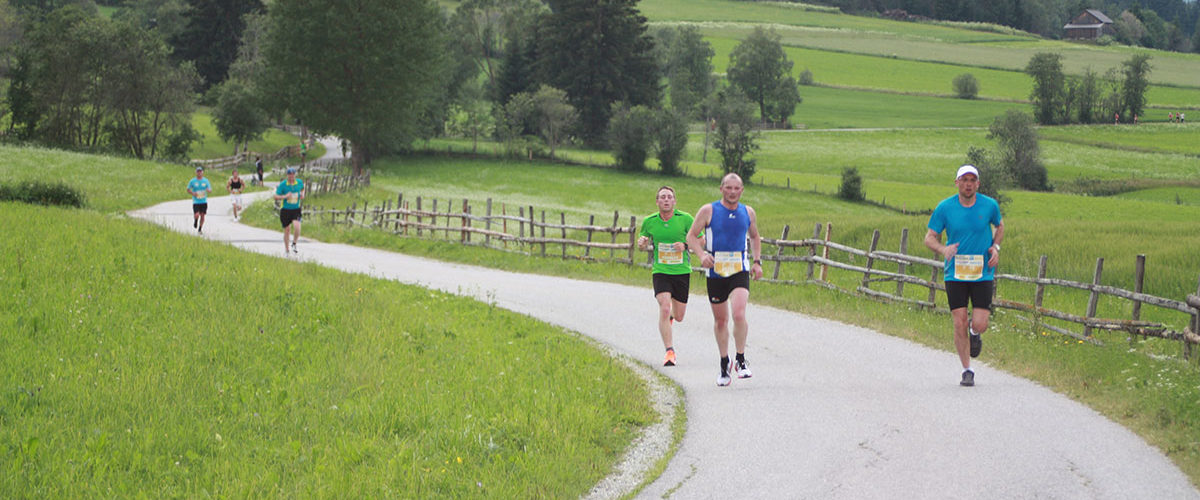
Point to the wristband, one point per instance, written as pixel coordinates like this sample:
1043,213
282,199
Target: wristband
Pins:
758,261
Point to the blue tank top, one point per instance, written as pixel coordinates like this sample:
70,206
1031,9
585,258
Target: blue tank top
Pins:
726,232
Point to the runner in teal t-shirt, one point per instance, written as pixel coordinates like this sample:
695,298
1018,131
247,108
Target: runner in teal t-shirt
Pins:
199,188
664,234
291,191
971,252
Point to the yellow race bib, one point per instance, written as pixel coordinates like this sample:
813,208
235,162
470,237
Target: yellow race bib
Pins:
968,267
667,254
727,264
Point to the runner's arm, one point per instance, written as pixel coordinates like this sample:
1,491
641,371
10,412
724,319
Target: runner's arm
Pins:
695,245
997,237
755,244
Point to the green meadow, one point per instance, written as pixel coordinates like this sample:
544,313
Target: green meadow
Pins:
139,362
211,145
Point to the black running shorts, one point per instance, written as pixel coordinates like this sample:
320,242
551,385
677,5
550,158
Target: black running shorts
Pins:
199,208
978,292
720,288
287,215
678,285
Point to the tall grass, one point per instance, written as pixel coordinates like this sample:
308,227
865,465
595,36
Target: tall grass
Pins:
143,363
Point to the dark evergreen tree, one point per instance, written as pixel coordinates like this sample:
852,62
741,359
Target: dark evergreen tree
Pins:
600,54
211,37
517,72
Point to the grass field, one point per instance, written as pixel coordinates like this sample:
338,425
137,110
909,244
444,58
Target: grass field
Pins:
912,41
893,74
211,145
143,363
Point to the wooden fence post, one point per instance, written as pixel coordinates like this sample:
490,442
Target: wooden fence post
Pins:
433,220
587,249
1187,348
633,236
487,224
521,227
812,251
543,233
903,265
504,222
399,205
562,219
418,216
933,275
616,218
1139,275
779,252
466,222
1095,297
866,280
825,251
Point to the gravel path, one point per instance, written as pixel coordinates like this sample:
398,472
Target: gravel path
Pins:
833,410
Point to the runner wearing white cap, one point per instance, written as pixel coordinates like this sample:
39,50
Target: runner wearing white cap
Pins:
971,253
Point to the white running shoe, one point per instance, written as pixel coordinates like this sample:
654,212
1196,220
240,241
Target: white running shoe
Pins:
743,371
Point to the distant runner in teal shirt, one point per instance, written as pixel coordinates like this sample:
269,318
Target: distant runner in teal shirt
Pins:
291,191
199,188
664,234
971,252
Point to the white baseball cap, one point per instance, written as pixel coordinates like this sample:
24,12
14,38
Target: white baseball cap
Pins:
966,169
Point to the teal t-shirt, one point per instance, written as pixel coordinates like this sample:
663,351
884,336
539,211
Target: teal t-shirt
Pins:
199,188
971,228
293,190
664,233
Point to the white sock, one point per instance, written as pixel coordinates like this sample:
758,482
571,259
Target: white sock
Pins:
972,330
968,369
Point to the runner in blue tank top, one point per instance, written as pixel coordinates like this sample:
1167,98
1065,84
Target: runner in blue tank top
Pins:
971,252
729,262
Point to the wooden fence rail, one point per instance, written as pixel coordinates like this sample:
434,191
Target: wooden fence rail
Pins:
527,232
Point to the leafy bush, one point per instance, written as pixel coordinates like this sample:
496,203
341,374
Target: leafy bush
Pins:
630,136
851,189
670,140
806,77
966,86
42,193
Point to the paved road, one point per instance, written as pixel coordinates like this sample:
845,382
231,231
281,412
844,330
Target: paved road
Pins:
833,411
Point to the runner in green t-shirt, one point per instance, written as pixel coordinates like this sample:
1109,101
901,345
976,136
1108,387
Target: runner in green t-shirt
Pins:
664,234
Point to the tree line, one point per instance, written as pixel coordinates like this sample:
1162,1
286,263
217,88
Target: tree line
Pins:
1160,24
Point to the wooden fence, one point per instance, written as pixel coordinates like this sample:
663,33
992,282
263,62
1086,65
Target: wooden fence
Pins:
246,157
528,231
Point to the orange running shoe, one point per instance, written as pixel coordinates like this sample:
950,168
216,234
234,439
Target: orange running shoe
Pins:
669,360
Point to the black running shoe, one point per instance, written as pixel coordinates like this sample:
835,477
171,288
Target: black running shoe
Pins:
976,344
968,379
195,221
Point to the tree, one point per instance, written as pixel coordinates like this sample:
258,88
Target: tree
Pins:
757,66
554,116
516,123
600,54
483,27
1048,86
991,177
1018,150
782,101
689,68
851,187
734,135
238,116
517,71
630,135
966,86
381,67
144,95
471,116
165,16
212,33
670,139
1086,90
1133,89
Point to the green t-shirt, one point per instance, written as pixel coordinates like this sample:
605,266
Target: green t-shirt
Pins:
664,233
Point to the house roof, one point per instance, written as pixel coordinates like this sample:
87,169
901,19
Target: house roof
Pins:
1099,15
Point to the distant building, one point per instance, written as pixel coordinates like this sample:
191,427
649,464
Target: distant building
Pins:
1089,25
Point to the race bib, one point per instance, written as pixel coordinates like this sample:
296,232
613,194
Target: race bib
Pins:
201,196
293,198
667,254
968,267
727,264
